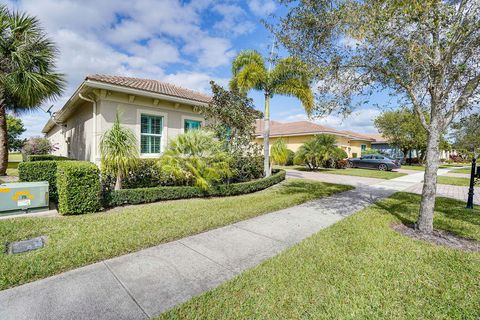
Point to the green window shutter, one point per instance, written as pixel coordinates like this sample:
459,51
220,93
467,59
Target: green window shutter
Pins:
151,128
192,125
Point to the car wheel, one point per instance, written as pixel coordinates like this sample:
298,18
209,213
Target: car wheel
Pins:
382,167
350,164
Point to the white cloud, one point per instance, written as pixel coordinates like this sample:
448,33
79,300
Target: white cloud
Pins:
234,20
262,8
141,38
360,121
193,80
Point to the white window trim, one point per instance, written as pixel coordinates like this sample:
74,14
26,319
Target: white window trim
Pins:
191,117
138,130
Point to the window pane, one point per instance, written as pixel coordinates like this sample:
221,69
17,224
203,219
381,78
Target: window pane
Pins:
155,142
192,124
144,124
144,144
151,124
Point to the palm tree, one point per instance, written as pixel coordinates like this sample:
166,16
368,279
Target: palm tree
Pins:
27,70
319,151
288,77
119,153
196,157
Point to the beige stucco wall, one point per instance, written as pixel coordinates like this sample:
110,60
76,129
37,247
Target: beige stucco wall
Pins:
78,131
79,126
294,142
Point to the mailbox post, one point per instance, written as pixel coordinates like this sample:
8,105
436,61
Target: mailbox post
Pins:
474,174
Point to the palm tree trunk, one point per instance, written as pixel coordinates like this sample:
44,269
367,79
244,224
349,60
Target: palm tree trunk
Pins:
3,141
427,205
266,136
118,182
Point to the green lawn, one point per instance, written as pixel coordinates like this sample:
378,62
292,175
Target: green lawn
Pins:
454,181
358,268
453,165
462,170
74,241
413,167
15,156
352,172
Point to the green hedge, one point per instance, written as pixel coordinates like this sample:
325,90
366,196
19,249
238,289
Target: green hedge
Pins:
40,171
78,184
45,157
145,195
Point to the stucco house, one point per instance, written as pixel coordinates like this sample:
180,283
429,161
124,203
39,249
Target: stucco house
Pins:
297,133
155,111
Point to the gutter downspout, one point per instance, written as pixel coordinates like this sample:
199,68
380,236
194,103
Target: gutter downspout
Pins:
94,132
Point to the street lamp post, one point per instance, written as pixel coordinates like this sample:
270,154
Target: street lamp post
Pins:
473,174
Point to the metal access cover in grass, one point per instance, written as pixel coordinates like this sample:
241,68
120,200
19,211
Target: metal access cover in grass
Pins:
76,241
359,268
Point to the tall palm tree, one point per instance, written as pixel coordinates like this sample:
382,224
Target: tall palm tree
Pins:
288,77
119,153
27,70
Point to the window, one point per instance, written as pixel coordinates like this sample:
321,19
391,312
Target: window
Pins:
364,147
379,157
368,157
192,125
150,134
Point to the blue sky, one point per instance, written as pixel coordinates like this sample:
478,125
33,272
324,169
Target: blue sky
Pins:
183,42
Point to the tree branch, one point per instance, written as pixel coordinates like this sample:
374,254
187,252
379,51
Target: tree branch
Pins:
462,100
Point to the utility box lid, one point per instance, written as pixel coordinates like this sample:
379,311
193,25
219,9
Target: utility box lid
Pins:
23,196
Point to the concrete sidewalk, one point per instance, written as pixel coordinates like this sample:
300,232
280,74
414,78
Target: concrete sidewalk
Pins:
146,283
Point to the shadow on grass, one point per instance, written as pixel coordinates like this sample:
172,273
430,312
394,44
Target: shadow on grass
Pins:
405,206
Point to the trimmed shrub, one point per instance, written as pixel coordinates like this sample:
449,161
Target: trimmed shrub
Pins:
145,195
78,184
45,157
146,174
291,156
246,168
40,171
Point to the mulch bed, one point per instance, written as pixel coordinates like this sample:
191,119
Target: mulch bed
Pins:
439,237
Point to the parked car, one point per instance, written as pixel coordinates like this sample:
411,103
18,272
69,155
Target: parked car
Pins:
374,161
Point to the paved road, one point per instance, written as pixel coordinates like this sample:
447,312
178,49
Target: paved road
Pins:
146,283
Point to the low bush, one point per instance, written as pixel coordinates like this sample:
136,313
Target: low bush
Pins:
40,171
291,156
246,168
146,195
341,164
45,157
145,174
78,184
37,145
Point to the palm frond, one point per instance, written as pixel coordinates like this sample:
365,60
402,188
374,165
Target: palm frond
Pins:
27,63
292,77
118,149
249,71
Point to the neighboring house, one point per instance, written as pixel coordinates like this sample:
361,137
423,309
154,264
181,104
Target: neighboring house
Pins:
383,145
297,133
155,111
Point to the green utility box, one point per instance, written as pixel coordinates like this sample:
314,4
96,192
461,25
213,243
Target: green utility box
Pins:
23,197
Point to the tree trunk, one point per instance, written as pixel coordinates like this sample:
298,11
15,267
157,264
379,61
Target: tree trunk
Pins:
427,205
3,141
266,136
118,182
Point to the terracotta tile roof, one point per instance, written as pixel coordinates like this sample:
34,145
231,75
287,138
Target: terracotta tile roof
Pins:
294,128
305,128
151,86
377,137
359,136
